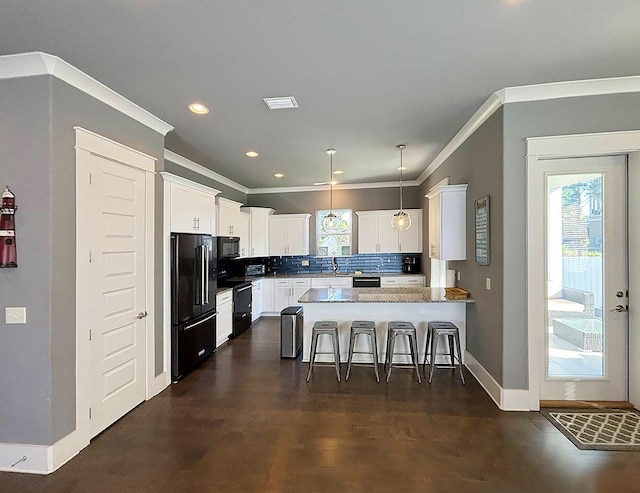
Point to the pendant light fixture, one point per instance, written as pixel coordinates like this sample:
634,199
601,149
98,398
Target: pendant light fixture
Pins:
329,221
401,220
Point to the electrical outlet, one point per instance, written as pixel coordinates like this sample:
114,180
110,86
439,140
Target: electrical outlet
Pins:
488,283
15,315
458,275
304,263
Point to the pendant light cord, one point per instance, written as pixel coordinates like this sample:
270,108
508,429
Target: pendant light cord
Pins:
331,185
401,149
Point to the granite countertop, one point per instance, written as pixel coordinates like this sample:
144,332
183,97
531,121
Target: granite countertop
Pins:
222,290
379,295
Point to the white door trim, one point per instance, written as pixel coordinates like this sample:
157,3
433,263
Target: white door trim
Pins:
90,143
597,144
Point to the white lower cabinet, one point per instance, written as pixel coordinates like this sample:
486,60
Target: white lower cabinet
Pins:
402,282
267,295
288,291
224,321
331,282
257,301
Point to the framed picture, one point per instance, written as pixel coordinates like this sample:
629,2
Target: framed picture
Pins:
483,240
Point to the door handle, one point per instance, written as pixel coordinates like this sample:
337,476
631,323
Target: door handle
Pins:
620,308
142,315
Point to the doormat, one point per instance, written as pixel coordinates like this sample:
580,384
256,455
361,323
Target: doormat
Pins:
598,429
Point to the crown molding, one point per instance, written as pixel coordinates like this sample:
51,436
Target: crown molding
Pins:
535,92
37,63
166,176
197,168
345,186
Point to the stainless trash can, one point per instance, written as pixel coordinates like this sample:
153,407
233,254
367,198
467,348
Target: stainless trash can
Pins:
291,320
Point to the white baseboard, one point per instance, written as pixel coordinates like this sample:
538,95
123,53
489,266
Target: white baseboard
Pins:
40,459
505,399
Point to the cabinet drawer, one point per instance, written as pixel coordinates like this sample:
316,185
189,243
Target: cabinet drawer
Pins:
224,297
301,282
390,281
413,281
283,282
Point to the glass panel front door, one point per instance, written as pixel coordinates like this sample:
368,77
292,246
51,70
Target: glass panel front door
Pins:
586,353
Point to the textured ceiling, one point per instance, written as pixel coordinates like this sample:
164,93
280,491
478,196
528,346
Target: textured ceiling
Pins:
368,74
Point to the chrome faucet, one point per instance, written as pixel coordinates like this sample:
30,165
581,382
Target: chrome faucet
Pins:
334,264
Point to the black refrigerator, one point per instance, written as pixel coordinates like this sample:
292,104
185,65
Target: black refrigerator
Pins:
193,301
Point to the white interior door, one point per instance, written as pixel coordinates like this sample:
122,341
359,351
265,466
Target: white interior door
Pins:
119,290
585,329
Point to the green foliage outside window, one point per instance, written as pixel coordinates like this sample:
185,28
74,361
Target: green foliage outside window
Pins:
337,241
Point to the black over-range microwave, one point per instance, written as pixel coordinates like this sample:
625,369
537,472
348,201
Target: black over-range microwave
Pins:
228,246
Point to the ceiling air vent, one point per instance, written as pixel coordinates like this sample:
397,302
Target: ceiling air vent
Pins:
283,103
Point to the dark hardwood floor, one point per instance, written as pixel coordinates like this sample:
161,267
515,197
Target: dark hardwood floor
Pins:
246,421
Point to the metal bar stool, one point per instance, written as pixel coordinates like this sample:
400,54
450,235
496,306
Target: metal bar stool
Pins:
401,329
365,328
330,329
434,331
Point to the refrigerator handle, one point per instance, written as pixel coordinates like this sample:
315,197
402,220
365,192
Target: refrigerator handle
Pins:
205,274
199,276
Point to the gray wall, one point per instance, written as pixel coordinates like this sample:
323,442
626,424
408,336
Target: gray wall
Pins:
225,191
535,119
355,199
478,162
37,360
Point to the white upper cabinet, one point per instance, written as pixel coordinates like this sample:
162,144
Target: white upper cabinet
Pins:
191,205
258,230
289,234
228,217
410,240
376,235
241,229
448,222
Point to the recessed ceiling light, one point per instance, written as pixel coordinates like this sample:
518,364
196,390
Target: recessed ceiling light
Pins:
251,154
278,175
198,109
402,168
338,172
331,151
281,103
318,183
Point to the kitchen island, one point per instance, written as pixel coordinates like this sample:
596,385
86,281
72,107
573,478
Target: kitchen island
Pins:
380,305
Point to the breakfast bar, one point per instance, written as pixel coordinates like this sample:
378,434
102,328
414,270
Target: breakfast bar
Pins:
380,305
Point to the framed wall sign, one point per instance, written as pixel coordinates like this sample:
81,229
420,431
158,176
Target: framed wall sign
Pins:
483,251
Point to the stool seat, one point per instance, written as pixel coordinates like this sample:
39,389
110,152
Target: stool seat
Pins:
365,327
330,328
434,331
395,329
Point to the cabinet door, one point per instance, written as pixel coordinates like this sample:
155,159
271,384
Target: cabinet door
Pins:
224,220
367,233
282,296
277,236
434,226
411,239
298,291
297,236
453,238
259,233
183,215
267,295
241,229
224,323
387,236
205,209
256,300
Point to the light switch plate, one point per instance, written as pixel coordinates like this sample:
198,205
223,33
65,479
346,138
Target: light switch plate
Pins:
304,263
458,275
488,283
15,315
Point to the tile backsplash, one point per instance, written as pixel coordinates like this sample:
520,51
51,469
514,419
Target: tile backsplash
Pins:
381,262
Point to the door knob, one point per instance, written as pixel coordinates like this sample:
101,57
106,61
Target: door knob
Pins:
142,314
